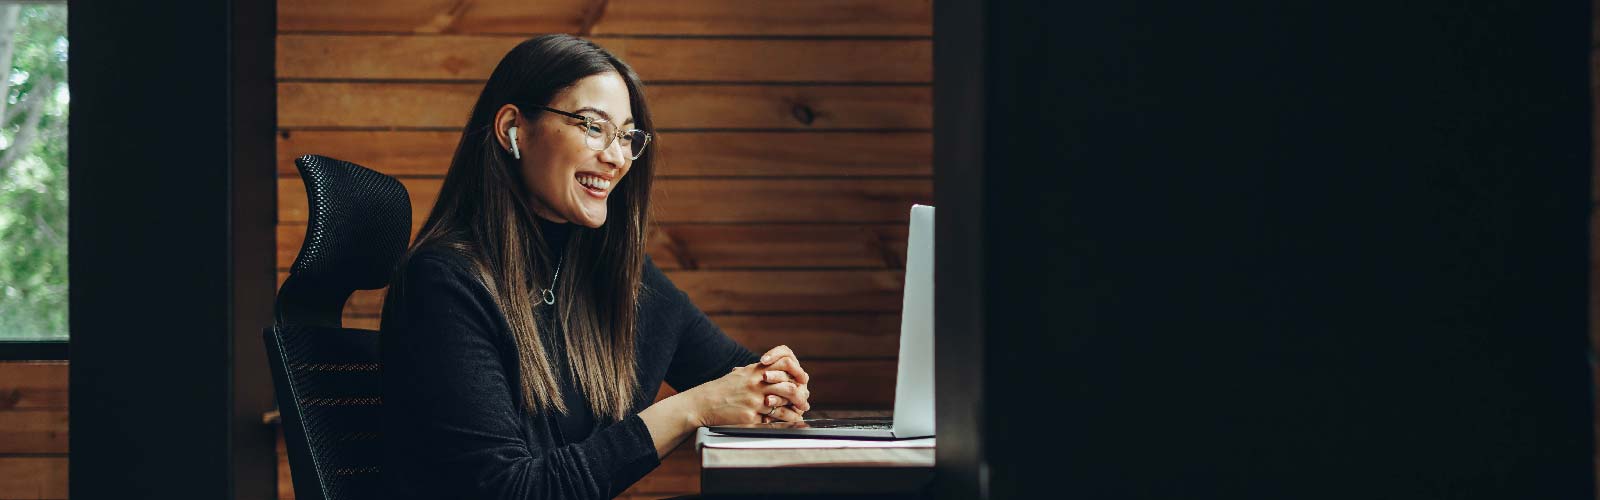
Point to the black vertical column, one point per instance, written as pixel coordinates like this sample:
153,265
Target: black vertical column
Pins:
960,119
171,178
253,212
1263,249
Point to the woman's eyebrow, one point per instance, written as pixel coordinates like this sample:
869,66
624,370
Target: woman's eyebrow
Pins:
602,114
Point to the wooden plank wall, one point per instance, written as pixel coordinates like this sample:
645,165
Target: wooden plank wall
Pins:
794,136
33,430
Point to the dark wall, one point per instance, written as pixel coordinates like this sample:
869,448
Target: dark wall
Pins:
1269,250
171,248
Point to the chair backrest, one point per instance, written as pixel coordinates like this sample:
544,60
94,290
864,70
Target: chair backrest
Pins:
326,376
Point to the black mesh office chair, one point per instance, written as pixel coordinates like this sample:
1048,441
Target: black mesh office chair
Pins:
327,376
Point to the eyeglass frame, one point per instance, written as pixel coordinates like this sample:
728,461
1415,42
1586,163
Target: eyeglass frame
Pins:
589,120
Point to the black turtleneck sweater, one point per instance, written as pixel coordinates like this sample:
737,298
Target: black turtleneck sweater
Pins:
453,422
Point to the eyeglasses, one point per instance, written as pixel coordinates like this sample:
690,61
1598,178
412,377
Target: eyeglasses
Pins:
599,133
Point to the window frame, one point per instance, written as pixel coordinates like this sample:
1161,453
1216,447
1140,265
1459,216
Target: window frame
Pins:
34,350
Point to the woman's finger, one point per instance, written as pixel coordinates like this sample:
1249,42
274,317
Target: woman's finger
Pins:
792,366
801,398
773,400
787,414
789,391
775,376
775,354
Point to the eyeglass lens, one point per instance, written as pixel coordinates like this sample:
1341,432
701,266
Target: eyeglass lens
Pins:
600,134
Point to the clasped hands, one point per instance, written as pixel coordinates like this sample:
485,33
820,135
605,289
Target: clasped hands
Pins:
788,395
770,390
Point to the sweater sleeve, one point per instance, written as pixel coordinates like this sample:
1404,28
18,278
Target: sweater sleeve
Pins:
703,351
447,382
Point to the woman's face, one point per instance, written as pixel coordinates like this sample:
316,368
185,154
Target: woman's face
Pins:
568,181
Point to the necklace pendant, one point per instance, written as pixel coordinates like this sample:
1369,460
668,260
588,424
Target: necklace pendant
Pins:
549,296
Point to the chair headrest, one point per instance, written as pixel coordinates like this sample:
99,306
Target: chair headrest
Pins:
358,226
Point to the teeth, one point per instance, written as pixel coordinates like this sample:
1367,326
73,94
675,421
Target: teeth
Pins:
594,182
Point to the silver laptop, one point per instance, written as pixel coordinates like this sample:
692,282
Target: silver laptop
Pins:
913,385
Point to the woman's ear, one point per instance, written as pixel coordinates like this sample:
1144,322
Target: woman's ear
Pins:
504,121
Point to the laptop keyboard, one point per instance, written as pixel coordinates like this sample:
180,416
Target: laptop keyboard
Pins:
882,427
847,424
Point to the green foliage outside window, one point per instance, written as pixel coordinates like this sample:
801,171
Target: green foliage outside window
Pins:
33,172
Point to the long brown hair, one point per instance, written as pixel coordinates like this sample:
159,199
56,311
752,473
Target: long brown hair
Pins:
482,213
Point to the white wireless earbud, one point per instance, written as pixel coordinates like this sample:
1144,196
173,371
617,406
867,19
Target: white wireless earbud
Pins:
515,153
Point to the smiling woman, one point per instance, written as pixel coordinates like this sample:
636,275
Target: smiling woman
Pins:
33,174
527,332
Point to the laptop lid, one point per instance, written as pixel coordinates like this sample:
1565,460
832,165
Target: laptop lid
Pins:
913,388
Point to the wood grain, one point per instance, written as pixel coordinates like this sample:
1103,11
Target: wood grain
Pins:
631,17
789,200
33,477
362,322
473,58
33,432
778,246
689,106
829,336
411,153
406,153
33,385
714,200
792,291
795,154
375,104
285,474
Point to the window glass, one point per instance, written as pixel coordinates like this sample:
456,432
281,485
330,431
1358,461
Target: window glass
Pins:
33,172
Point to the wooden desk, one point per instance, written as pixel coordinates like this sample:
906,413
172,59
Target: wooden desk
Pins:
876,472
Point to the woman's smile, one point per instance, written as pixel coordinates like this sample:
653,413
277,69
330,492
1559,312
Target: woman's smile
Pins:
594,185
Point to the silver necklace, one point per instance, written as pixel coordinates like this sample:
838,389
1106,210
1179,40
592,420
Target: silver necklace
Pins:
549,294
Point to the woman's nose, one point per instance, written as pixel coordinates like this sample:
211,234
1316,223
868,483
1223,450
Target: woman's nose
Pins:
614,154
